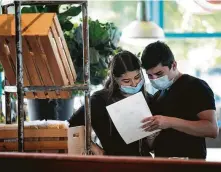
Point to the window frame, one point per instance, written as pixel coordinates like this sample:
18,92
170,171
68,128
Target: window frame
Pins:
156,11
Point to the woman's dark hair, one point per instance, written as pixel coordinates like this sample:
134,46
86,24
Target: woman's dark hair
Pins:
121,63
157,53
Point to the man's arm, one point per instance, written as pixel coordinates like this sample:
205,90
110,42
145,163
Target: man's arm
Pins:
206,126
203,105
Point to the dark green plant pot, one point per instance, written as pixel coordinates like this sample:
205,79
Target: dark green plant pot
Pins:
56,109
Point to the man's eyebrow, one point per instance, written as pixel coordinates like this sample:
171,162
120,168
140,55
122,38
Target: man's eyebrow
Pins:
137,75
158,73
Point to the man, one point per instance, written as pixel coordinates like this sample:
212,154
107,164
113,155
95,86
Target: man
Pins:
184,106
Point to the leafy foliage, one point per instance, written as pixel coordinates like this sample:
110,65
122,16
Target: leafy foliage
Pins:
1,67
103,39
2,118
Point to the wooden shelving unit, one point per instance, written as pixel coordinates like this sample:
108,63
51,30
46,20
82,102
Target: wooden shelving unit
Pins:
35,89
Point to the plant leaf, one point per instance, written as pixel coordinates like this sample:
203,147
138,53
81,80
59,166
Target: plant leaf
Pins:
72,11
31,9
67,26
94,56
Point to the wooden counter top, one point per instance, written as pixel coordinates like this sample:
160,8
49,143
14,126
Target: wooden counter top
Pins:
62,163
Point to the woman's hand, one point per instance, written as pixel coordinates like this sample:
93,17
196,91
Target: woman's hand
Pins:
96,150
156,122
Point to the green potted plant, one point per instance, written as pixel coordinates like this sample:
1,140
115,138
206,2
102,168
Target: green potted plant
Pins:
103,40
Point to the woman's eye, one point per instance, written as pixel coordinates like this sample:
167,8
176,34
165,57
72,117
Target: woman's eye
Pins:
126,81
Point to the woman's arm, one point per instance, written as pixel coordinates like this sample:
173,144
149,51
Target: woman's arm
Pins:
77,119
150,140
96,150
99,119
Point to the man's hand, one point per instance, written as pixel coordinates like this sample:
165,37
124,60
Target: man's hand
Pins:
206,126
156,122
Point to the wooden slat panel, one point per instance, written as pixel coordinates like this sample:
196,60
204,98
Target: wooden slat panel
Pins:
33,133
31,24
60,33
42,64
12,48
64,60
31,69
55,63
65,94
29,95
7,65
54,60
62,55
34,145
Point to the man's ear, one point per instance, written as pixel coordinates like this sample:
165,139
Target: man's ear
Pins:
174,65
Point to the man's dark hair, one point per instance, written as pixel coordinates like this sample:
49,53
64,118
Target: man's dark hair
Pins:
157,53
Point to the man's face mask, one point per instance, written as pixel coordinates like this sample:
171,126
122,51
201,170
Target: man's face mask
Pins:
132,90
161,83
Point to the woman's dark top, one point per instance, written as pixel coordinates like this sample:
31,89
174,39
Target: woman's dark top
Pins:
111,141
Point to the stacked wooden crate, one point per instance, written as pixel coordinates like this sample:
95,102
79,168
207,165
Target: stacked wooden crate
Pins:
46,58
43,136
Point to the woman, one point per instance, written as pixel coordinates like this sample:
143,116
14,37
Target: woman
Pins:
125,79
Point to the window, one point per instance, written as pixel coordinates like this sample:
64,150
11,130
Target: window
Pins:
119,12
187,16
200,58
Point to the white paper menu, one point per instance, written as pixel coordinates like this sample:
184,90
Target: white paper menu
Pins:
127,115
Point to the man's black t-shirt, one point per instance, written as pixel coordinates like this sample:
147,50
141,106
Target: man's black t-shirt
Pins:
186,98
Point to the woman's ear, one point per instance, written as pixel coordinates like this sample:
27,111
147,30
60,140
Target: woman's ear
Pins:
116,80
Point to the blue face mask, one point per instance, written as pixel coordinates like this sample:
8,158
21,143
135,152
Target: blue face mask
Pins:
161,83
132,90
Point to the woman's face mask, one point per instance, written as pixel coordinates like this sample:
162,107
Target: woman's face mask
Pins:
161,83
132,90
131,82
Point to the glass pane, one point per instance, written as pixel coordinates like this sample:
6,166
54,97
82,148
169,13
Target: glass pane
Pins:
185,16
121,13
